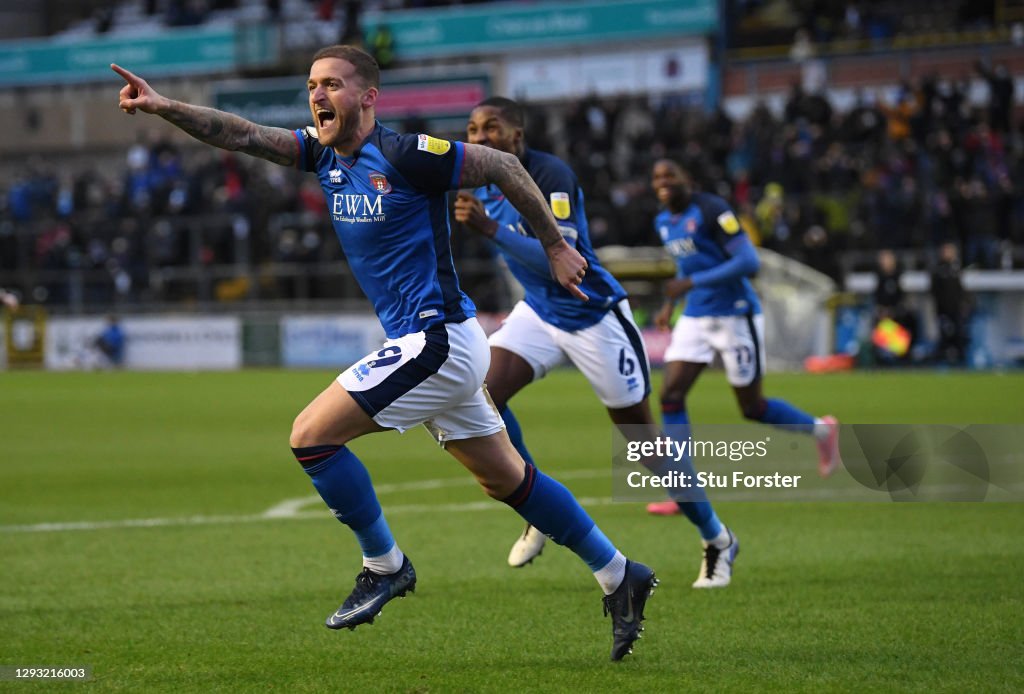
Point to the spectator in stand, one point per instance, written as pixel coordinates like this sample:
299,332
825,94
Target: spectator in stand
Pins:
939,168
819,253
351,26
382,45
186,12
771,221
974,210
802,48
901,112
952,306
865,122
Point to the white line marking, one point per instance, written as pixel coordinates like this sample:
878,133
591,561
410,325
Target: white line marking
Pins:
289,509
471,506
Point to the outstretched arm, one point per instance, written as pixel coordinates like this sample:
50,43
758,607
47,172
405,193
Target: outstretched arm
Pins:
217,128
483,166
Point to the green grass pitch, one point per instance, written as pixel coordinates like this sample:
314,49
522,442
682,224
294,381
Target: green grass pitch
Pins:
206,594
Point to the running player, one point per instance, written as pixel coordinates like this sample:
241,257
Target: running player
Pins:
715,260
549,327
386,196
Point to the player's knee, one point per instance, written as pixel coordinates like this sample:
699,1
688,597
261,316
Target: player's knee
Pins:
495,488
754,410
304,432
501,481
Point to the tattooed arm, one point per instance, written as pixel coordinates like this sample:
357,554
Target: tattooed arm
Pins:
217,128
484,166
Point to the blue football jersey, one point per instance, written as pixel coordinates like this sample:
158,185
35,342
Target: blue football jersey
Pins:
552,302
389,209
699,238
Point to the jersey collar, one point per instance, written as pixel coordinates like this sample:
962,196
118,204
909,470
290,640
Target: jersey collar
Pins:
351,161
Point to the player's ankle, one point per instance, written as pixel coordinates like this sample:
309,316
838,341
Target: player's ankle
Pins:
721,540
387,563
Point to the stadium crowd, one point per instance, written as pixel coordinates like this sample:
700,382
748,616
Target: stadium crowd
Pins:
826,186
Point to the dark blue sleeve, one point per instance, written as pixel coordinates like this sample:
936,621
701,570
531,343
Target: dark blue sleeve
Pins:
309,148
428,163
560,188
742,262
721,223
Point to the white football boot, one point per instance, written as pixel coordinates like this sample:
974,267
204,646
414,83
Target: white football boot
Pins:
716,569
527,548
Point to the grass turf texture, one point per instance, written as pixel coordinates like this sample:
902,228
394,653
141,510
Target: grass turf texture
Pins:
827,596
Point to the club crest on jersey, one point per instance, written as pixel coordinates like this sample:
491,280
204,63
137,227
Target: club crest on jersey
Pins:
426,143
334,175
560,205
380,183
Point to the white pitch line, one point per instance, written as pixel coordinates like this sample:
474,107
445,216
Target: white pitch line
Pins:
130,523
290,507
471,506
277,512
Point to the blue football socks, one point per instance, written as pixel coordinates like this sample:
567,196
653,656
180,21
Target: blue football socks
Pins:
781,414
344,484
693,502
547,505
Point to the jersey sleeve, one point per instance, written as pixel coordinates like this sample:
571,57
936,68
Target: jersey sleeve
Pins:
427,163
742,261
559,187
724,226
309,148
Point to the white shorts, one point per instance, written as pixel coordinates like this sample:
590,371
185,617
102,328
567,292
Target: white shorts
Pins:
434,378
610,353
738,339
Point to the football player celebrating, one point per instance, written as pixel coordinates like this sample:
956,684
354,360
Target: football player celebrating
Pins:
548,327
386,196
715,261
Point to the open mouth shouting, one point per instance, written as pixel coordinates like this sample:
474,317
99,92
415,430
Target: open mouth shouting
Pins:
325,118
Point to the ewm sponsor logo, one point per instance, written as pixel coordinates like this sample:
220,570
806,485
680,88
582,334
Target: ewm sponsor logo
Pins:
681,247
357,207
